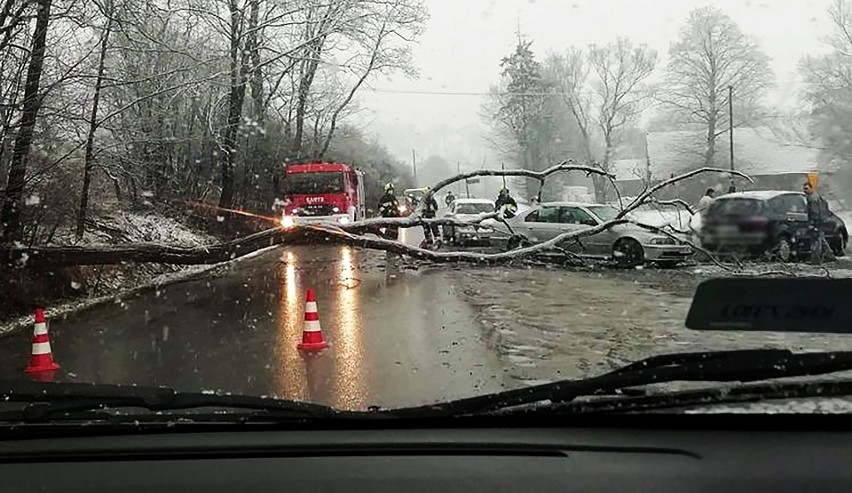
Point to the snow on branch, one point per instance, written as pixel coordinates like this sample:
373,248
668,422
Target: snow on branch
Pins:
355,234
647,194
564,166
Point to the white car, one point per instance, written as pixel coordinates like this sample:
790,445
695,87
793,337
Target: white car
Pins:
469,210
628,244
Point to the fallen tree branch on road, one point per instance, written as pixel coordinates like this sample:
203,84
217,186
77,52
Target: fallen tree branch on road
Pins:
562,167
673,203
353,234
648,193
62,256
40,257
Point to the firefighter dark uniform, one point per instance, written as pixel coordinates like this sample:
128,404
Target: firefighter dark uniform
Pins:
388,204
389,207
430,210
449,199
504,199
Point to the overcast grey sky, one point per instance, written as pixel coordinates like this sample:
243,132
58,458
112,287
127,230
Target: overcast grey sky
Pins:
465,39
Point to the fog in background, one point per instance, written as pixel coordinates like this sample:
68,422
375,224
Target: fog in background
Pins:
464,41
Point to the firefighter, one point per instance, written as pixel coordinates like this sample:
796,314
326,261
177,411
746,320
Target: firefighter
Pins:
429,211
449,198
505,199
389,207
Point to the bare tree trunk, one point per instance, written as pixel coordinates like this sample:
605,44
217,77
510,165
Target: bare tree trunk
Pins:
235,108
259,155
93,127
11,214
710,152
602,189
306,80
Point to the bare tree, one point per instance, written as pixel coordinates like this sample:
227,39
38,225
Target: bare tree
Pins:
88,164
386,22
13,200
711,55
570,75
621,70
828,87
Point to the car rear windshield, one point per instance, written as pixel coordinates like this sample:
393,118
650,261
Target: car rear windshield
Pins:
474,208
736,207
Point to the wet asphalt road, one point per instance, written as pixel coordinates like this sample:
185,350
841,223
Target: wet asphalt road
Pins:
396,337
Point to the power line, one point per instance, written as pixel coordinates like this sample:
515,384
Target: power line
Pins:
460,93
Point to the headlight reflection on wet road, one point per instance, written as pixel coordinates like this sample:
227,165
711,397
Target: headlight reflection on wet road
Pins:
290,371
334,376
348,379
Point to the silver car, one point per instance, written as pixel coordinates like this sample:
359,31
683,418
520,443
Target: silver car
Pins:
628,244
469,210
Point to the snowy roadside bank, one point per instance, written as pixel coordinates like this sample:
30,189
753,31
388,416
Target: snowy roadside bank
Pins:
74,306
70,290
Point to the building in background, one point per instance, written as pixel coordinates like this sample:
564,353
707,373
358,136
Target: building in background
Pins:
773,159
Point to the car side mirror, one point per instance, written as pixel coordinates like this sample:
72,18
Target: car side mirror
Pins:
589,222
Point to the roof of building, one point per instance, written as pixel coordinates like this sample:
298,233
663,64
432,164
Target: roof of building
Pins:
757,151
628,169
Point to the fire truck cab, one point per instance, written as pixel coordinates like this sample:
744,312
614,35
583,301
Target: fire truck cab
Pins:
322,192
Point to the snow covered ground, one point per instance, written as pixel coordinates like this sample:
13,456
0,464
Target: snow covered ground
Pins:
91,285
135,227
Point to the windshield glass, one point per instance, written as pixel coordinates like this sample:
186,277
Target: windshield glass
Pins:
314,183
154,212
474,208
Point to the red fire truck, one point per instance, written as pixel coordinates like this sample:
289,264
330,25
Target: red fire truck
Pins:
322,192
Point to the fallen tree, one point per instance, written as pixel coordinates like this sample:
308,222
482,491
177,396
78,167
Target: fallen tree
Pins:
354,234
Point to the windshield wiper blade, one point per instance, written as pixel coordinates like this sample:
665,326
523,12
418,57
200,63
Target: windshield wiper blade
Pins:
714,366
704,397
47,400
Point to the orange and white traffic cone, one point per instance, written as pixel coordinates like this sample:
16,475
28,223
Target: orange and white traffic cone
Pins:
41,359
312,334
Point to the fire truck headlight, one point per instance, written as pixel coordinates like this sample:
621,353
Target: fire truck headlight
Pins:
335,210
287,222
343,220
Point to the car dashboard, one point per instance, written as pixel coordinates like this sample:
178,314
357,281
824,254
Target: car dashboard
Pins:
452,458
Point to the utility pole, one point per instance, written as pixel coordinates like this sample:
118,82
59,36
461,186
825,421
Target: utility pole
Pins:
731,130
414,166
466,184
503,168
